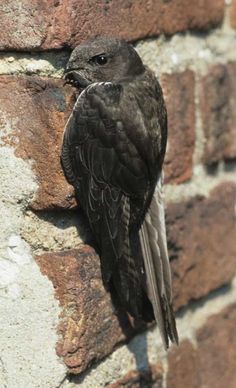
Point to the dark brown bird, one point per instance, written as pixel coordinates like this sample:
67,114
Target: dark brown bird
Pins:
113,150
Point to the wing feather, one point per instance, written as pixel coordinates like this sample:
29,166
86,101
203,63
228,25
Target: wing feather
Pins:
156,261
104,165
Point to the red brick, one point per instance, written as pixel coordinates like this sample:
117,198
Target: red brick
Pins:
144,378
36,111
33,24
201,234
179,96
218,101
89,328
183,367
217,350
202,249
233,14
212,362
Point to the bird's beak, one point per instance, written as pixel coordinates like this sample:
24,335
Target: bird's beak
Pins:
75,78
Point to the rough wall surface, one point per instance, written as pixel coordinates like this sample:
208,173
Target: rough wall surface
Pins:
57,323
28,24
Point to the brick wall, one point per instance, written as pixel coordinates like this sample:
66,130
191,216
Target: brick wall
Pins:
55,316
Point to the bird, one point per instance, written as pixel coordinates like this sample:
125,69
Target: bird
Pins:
112,152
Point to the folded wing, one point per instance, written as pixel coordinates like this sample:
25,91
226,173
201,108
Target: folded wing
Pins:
156,261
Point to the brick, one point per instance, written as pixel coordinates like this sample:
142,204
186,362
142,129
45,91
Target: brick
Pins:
201,235
30,24
233,14
218,100
153,377
36,110
211,363
179,95
183,367
217,350
89,328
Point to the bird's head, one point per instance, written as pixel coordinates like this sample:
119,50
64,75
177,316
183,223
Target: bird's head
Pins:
102,60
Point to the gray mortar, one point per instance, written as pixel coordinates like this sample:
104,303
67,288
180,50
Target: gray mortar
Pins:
200,139
49,64
28,310
54,231
201,183
163,55
66,230
189,51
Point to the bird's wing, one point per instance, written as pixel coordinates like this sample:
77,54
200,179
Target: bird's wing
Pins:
99,134
156,261
101,160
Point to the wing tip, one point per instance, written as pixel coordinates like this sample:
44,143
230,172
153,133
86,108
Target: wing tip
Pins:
170,336
169,331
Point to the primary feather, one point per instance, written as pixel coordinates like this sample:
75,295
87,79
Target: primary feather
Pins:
152,236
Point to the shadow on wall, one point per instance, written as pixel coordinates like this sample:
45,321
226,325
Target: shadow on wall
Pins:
65,219
138,346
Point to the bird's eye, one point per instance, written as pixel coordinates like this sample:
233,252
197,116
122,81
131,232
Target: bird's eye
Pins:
99,59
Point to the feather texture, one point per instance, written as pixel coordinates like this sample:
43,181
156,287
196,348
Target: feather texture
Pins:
156,261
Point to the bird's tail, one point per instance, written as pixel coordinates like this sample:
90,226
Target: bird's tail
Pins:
153,242
127,277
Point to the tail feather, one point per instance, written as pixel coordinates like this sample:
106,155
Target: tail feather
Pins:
126,277
154,249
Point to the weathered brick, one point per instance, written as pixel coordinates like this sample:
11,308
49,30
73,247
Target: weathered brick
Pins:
233,14
201,235
33,115
33,24
183,367
218,101
36,109
153,377
89,328
217,350
179,95
212,362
